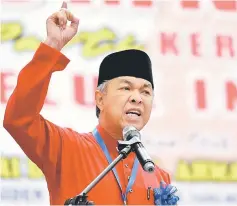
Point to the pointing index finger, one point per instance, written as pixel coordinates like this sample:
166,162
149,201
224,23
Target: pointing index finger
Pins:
64,5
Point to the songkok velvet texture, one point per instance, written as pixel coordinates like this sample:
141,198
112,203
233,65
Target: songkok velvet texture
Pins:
130,62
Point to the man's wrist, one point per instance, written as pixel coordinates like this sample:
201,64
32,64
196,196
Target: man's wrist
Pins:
53,43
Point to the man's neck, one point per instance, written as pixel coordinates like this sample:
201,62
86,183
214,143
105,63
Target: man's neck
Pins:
111,130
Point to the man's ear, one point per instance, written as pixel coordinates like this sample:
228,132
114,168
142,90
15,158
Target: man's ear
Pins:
99,99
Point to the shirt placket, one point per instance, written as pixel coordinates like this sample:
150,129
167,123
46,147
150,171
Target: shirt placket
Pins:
127,167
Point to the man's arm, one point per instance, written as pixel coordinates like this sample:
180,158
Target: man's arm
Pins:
38,138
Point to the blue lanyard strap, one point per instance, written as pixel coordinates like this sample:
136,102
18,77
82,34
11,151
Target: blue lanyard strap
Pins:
109,159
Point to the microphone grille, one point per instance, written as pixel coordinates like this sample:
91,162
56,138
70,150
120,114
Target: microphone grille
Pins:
128,131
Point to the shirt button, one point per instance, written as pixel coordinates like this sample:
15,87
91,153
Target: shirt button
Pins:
126,165
130,190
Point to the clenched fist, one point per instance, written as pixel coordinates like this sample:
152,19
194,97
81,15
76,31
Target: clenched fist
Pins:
58,32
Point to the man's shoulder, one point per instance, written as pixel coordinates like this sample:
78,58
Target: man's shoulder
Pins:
161,170
164,174
74,135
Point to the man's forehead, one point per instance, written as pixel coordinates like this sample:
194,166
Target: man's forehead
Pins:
132,80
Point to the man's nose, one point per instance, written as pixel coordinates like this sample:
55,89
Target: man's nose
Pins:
136,98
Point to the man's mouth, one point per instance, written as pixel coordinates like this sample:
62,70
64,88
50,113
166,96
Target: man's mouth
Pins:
132,113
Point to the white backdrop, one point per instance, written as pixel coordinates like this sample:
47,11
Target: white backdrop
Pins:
193,46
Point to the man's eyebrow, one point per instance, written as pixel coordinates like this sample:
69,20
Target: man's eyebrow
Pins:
125,81
147,85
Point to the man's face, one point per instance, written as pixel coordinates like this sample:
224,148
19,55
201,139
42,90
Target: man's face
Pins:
127,101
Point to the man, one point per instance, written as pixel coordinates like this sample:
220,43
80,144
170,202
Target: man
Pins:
69,160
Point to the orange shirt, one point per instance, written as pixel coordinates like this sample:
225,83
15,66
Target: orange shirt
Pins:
69,160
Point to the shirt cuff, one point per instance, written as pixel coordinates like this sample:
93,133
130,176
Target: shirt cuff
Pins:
48,54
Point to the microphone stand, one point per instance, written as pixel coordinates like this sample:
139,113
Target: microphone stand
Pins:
124,148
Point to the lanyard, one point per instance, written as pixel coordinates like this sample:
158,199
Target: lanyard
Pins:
109,159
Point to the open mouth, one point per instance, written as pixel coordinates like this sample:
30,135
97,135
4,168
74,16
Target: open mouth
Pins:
132,113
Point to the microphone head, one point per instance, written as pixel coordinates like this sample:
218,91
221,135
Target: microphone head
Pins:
129,132
149,167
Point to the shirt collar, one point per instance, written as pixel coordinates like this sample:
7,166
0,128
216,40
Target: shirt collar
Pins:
110,142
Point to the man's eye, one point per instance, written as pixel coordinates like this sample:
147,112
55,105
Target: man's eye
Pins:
147,92
126,88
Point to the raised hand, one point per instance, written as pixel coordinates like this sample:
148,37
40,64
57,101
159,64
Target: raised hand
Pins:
59,32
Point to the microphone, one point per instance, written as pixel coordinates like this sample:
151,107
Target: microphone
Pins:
146,162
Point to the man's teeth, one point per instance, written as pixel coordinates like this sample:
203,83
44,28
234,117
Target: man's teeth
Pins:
132,114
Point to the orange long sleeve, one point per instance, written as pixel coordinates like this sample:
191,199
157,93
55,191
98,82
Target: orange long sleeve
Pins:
22,119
